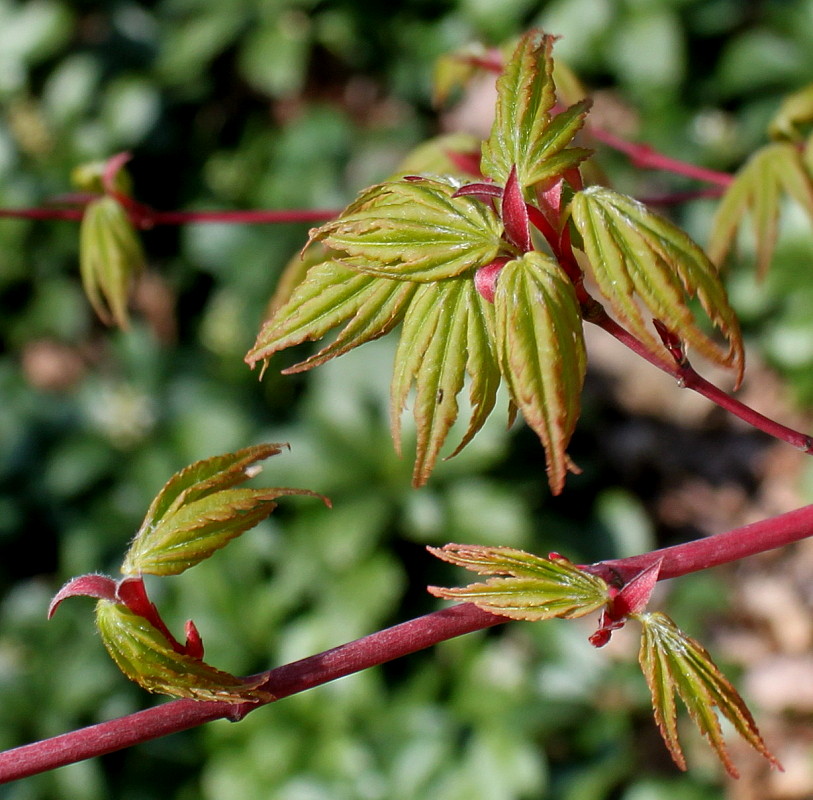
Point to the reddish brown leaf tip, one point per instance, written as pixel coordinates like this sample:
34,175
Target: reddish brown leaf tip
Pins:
99,586
634,596
194,644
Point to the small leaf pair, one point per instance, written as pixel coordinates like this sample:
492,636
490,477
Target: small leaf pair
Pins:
533,588
197,512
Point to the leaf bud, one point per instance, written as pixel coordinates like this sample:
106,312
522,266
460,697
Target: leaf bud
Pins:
110,257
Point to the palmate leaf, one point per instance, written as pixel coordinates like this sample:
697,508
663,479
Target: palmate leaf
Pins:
524,133
147,657
774,170
332,295
540,350
635,254
674,662
413,229
445,336
536,588
198,512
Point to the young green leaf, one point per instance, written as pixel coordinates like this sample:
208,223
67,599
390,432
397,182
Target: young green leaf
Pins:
635,254
674,662
775,169
198,512
524,134
332,295
413,229
147,657
110,257
446,335
540,350
536,589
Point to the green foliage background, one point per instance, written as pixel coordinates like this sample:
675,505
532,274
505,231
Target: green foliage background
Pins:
285,104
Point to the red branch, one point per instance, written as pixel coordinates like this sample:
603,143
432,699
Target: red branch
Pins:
383,646
145,217
686,376
645,157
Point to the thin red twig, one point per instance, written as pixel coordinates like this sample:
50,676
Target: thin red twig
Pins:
144,217
646,157
687,377
383,646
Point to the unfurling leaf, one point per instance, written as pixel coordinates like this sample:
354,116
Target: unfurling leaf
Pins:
332,295
635,254
540,349
536,588
197,512
146,656
446,335
775,169
524,134
110,257
674,662
413,229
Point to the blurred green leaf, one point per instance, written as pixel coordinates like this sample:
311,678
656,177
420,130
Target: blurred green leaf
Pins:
757,189
795,113
110,257
537,589
454,70
435,156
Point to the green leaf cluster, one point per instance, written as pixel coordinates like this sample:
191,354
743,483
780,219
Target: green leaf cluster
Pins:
197,512
407,251
412,251
532,588
673,662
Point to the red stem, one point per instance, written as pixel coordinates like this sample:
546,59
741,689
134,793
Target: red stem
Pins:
145,217
686,376
645,157
712,551
180,715
383,646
